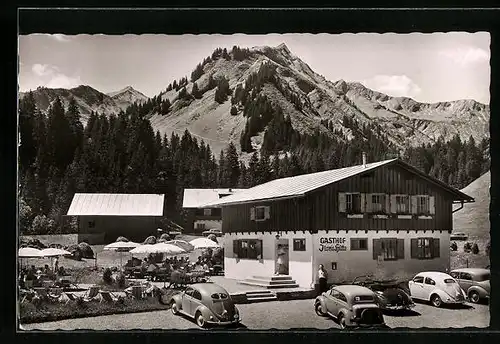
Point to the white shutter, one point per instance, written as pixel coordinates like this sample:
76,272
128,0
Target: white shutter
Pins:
252,213
393,203
387,203
413,204
363,203
432,205
368,203
267,213
342,207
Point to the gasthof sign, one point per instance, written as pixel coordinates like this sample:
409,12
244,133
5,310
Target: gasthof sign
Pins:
332,244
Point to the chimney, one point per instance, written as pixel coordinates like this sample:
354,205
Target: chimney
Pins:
364,160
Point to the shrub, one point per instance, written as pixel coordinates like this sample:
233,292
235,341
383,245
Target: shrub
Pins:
120,280
150,240
86,250
107,276
234,110
468,247
454,246
122,239
475,249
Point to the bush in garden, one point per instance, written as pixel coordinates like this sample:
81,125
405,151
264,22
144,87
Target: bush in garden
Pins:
468,247
475,249
454,246
120,280
107,276
122,239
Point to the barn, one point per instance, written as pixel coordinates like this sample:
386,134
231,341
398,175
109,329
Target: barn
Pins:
102,217
203,219
386,219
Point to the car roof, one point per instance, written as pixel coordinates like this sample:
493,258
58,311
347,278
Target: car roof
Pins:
208,288
435,274
353,290
472,270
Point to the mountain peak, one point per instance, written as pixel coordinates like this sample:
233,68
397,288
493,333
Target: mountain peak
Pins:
283,47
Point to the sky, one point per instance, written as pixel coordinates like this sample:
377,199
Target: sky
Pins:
426,67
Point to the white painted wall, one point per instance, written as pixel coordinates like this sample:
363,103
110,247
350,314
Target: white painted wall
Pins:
355,263
303,266
299,264
209,224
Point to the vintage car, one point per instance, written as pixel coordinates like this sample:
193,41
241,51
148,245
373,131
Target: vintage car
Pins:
436,287
390,295
206,303
351,306
474,281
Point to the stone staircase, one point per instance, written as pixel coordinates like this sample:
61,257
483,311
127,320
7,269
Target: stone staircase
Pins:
271,282
260,296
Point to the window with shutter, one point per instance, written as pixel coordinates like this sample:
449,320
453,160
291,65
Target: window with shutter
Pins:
342,202
376,248
402,204
432,205
236,246
413,204
414,248
400,245
435,245
260,213
387,208
393,204
252,214
388,248
267,213
362,207
369,206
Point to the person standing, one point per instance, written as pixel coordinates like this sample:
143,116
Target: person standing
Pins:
280,261
323,278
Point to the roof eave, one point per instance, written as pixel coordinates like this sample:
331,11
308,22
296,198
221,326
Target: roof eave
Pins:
459,195
220,205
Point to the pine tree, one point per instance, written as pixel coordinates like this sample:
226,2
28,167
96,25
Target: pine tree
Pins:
27,125
195,92
197,72
222,91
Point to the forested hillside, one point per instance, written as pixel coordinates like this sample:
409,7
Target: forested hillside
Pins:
58,157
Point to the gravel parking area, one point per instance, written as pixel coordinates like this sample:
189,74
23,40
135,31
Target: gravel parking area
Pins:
278,315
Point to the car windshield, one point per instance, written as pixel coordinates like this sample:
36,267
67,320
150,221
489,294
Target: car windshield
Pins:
482,277
362,299
449,280
219,296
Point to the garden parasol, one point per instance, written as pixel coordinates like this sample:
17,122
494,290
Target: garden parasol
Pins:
182,244
121,246
54,252
201,243
29,252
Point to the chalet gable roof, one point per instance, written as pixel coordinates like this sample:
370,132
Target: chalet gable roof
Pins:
298,186
194,198
103,204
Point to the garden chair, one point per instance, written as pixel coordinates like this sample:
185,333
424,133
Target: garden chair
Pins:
108,296
135,291
91,294
69,297
45,295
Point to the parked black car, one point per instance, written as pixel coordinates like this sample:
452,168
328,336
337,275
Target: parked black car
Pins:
391,294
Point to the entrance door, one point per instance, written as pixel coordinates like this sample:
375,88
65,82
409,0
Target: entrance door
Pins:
282,258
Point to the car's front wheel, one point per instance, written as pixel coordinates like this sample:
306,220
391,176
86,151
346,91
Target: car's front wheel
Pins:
200,320
173,307
319,309
436,301
474,296
341,320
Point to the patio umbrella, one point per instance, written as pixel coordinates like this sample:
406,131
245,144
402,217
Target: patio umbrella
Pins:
29,252
201,243
168,249
121,246
143,249
54,252
182,244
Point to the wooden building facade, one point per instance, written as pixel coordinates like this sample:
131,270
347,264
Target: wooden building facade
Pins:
199,218
386,218
102,218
